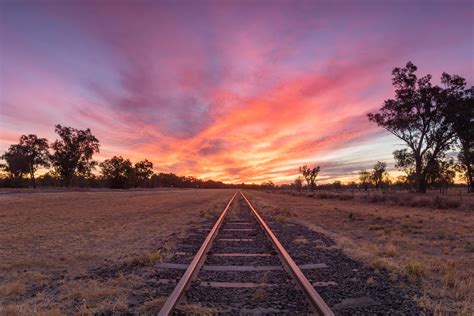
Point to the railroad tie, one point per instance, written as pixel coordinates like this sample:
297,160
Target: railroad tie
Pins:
236,254
355,303
261,268
181,266
235,239
236,285
238,229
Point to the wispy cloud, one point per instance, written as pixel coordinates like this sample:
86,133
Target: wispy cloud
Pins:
225,90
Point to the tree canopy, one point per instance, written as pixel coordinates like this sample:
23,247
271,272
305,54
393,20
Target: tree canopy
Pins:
143,171
420,116
73,152
310,175
118,172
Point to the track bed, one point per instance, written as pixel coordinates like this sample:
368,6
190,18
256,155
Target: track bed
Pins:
242,271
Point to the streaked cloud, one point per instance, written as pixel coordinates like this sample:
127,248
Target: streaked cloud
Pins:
234,91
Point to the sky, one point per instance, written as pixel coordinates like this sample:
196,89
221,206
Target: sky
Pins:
237,91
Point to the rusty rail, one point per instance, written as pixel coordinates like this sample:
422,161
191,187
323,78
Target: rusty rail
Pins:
194,267
313,297
317,303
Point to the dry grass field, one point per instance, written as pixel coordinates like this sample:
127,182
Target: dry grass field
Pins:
48,241
432,246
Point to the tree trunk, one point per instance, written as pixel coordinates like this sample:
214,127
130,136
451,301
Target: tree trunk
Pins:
33,180
470,184
419,177
68,180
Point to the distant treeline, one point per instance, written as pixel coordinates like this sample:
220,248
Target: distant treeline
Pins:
158,180
68,161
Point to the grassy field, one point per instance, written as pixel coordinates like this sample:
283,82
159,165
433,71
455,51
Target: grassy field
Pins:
49,240
430,245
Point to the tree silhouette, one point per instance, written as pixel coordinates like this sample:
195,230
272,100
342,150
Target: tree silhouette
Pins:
442,173
118,172
298,183
73,152
310,175
16,163
36,153
364,178
378,173
462,116
418,115
143,171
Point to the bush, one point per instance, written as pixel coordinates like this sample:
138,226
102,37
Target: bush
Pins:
445,203
376,198
345,197
325,195
415,270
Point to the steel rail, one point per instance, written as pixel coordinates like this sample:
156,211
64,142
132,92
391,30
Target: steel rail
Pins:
194,267
313,297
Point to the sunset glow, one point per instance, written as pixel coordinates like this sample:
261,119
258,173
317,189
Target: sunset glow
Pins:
234,91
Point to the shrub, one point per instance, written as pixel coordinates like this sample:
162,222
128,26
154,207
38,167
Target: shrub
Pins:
445,203
345,197
418,202
282,215
415,270
148,259
376,198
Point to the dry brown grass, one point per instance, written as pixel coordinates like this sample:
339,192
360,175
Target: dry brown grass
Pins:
152,306
431,245
12,289
282,215
301,241
453,199
61,235
148,258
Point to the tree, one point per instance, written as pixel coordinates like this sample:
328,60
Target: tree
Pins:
337,185
442,174
462,117
379,174
36,153
16,163
418,115
310,175
364,178
118,172
268,185
143,171
73,152
298,183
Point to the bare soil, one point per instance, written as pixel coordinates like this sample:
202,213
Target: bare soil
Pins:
434,247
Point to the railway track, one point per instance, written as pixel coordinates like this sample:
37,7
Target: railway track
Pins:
242,267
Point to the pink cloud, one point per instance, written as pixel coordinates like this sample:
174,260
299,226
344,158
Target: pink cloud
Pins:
225,90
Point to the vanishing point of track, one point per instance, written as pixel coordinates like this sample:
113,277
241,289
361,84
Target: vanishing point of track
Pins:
314,300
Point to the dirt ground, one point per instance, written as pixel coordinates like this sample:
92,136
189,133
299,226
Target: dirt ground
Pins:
49,241
431,246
